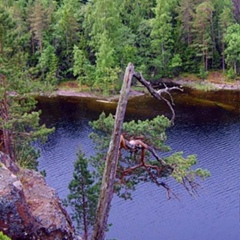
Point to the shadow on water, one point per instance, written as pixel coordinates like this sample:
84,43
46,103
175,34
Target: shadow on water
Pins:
209,130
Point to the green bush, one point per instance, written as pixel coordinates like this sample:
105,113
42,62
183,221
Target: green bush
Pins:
202,72
4,237
231,74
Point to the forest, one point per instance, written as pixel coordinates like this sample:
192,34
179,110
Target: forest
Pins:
45,42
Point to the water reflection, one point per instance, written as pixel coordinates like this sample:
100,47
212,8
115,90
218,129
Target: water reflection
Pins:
212,134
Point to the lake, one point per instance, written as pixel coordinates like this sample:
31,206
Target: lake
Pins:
211,132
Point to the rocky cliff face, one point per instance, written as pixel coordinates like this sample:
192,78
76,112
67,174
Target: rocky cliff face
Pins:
29,209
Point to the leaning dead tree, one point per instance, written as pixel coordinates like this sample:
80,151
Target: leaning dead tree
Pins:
111,164
107,188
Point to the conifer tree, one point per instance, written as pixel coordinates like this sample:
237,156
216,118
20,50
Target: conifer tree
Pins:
226,19
48,64
108,40
67,29
82,68
232,51
162,41
19,124
39,20
83,196
202,30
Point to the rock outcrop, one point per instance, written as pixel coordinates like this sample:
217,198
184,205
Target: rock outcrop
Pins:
29,208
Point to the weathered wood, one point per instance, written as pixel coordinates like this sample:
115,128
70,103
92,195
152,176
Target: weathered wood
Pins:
107,188
6,136
158,94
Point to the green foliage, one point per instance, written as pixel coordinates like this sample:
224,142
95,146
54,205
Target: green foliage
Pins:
66,28
3,236
154,134
103,23
83,195
101,136
162,38
153,131
106,73
202,72
23,128
47,65
202,28
82,68
226,17
231,74
176,64
232,51
183,168
18,122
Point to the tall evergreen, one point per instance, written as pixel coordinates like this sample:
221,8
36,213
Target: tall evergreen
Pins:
162,38
232,51
83,196
67,27
108,40
203,35
226,18
39,21
19,124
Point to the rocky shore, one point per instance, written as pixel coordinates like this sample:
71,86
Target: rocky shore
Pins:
211,85
29,208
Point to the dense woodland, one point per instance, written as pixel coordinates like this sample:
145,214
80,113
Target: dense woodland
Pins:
92,41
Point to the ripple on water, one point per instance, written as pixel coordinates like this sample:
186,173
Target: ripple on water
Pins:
214,214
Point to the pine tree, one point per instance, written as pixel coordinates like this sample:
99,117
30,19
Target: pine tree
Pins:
202,29
47,65
83,196
162,41
38,23
226,19
19,124
155,136
185,16
82,68
108,40
67,30
232,51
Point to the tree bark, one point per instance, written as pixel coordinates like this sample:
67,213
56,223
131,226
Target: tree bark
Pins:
158,94
6,140
107,188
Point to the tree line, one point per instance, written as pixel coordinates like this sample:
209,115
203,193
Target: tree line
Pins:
92,41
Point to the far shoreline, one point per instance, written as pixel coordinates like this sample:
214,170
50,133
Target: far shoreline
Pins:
216,86
75,91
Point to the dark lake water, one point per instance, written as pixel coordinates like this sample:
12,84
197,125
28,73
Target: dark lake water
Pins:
212,133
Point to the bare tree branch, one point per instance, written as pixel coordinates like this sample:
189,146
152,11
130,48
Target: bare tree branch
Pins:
158,94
